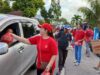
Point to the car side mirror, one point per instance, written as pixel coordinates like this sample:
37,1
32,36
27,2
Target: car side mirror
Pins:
3,48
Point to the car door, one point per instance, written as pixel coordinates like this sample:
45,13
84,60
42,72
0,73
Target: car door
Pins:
29,53
10,62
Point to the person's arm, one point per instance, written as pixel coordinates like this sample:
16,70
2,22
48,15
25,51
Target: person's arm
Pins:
81,40
83,35
21,39
53,58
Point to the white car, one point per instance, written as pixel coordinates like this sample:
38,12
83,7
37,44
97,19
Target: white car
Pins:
19,57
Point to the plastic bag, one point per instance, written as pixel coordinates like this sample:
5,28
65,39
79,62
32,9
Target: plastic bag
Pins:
46,73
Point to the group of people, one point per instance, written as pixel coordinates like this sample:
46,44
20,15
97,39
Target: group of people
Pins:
74,37
50,45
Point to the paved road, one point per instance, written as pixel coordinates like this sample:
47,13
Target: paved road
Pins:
85,68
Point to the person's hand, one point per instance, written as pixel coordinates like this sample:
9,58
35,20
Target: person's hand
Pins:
11,33
79,40
76,43
48,68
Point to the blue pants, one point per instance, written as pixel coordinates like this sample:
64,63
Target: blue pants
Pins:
78,50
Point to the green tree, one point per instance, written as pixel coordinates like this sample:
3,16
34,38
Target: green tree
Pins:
1,4
63,21
44,14
76,19
29,8
41,21
4,7
55,9
92,14
53,13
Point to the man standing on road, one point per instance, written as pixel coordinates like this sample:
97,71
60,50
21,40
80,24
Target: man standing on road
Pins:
78,39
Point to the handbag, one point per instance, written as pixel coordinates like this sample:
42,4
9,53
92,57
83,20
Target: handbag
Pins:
46,73
44,64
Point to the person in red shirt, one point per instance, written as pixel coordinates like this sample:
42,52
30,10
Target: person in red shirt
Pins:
7,37
46,47
88,37
78,39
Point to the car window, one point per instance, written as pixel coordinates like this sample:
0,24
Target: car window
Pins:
28,29
16,30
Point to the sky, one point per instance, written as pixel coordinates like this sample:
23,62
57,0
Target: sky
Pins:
68,7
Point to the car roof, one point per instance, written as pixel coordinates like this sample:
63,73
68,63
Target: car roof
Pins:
7,17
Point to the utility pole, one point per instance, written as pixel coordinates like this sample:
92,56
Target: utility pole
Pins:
58,2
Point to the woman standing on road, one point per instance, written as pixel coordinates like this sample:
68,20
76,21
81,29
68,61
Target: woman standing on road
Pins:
46,47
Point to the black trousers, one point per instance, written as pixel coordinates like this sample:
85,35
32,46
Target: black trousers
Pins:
62,57
90,47
39,71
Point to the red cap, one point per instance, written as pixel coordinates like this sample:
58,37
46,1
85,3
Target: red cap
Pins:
46,26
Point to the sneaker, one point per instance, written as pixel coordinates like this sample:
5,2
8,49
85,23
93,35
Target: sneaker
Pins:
77,64
75,61
87,55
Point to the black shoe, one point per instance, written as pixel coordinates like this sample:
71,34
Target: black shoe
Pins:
58,73
96,68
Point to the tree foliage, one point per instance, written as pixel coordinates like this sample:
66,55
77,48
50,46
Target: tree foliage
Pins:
92,14
54,11
29,8
76,19
4,7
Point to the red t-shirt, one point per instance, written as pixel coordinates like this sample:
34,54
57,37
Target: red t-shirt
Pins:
79,35
46,49
88,35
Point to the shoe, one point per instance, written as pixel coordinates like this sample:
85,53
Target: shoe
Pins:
75,61
58,73
87,55
77,64
96,68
